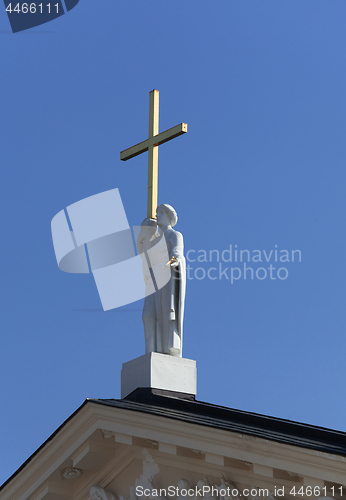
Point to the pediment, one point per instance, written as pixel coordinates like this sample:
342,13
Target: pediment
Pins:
119,449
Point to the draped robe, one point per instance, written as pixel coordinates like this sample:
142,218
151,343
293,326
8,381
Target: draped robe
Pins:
163,310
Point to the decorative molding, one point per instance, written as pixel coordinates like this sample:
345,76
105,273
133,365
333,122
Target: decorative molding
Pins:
211,458
71,473
263,470
151,477
168,448
107,434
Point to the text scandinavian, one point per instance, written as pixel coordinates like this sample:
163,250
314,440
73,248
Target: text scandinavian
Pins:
241,257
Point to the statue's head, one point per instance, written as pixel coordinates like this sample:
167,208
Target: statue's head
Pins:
170,212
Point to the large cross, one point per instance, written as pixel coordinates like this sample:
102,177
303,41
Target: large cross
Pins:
152,146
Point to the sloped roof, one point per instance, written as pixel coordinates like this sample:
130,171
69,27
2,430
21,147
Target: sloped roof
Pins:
253,424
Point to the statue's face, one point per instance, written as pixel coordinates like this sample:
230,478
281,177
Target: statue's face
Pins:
162,217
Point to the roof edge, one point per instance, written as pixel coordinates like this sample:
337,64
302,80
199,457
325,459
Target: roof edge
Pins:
28,460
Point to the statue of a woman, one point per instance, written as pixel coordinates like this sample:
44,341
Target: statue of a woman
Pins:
163,310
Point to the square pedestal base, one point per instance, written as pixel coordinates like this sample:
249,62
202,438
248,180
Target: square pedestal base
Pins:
159,371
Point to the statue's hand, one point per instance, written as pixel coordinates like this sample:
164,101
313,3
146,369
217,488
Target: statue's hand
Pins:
175,262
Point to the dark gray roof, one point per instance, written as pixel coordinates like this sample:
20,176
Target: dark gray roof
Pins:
252,424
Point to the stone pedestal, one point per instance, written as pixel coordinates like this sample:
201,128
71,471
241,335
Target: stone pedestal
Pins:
159,371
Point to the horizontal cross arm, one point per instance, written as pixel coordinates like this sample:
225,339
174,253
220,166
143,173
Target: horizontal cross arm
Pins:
169,134
134,150
155,141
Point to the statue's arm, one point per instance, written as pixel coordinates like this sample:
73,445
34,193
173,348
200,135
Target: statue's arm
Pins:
140,244
176,248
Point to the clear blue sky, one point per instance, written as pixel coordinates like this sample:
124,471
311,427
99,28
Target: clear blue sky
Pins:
261,84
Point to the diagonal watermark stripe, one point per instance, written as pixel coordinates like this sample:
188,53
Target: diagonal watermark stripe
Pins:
96,229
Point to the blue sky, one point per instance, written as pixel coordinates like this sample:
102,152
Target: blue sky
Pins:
261,85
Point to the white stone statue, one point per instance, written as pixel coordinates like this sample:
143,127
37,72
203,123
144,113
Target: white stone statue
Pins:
200,484
98,493
225,488
163,309
183,487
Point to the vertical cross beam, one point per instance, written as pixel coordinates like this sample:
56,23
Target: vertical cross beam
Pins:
152,146
153,154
